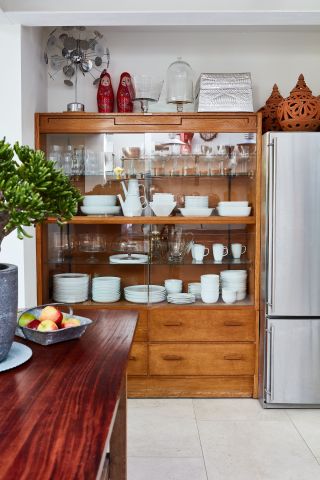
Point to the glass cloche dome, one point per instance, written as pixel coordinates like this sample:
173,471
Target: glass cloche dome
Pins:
179,83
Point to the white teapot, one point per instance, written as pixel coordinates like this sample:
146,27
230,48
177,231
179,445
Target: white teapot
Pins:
133,187
132,206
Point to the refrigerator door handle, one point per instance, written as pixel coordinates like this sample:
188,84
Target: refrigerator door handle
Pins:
271,216
269,390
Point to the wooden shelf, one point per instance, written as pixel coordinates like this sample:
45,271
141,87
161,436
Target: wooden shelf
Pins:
124,305
176,220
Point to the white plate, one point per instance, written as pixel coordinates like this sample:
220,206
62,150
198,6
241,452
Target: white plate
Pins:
100,210
18,354
123,258
145,288
196,212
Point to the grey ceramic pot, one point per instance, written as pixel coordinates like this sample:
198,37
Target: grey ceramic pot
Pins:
8,306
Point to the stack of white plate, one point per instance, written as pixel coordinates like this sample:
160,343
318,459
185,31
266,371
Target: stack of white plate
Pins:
195,289
235,280
145,293
100,205
181,298
70,287
234,209
106,289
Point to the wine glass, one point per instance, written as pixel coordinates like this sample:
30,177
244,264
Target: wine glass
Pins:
146,89
92,243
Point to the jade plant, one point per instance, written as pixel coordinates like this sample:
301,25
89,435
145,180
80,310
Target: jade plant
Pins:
31,190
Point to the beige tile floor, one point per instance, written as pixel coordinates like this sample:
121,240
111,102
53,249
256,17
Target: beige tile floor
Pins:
221,439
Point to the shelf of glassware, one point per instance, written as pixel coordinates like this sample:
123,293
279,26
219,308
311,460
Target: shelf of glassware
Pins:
154,220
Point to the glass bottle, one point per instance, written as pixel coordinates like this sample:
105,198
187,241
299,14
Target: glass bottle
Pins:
67,161
55,156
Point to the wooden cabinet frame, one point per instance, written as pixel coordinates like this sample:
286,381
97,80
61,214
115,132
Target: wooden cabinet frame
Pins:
242,321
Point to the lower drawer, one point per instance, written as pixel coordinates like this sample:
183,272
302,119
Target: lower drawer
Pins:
202,359
138,359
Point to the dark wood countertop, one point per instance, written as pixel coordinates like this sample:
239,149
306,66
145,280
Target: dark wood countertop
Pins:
56,410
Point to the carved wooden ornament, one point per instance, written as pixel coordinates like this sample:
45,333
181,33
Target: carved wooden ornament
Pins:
301,110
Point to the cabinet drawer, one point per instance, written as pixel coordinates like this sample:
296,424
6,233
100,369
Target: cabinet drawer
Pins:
138,359
201,359
202,325
141,333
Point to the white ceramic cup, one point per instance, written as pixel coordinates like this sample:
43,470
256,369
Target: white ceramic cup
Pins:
228,295
199,251
237,249
219,251
173,285
209,295
210,279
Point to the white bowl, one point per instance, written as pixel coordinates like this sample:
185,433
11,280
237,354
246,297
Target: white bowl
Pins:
226,211
100,200
100,210
234,204
162,209
196,212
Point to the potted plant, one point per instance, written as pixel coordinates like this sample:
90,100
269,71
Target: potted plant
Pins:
31,190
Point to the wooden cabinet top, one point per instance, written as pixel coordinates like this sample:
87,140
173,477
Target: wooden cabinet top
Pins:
56,410
87,122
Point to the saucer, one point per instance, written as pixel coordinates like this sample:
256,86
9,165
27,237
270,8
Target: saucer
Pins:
18,354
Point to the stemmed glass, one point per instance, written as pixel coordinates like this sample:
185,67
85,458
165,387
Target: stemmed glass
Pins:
146,89
92,243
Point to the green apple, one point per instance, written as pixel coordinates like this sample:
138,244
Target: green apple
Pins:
25,319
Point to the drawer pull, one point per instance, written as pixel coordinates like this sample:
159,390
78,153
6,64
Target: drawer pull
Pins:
132,357
232,323
234,356
172,357
173,324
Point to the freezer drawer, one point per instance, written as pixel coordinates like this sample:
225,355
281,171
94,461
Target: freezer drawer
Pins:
292,374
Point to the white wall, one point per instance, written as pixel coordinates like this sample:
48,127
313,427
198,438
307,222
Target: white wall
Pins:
22,92
270,55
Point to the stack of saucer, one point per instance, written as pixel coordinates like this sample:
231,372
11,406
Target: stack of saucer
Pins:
235,280
106,289
195,289
145,293
181,298
70,287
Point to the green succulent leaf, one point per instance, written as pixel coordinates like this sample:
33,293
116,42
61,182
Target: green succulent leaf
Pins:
31,190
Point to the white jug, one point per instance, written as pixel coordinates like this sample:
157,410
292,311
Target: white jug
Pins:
133,187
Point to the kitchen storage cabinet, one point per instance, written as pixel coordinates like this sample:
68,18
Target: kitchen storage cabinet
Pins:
197,349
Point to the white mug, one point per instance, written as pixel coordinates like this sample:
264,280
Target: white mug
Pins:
219,251
238,249
199,251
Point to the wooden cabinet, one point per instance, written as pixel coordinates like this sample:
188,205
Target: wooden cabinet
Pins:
197,349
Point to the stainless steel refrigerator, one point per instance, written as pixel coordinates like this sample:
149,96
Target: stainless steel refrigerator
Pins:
290,287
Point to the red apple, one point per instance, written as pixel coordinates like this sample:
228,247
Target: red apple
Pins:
70,322
51,313
34,324
25,319
47,326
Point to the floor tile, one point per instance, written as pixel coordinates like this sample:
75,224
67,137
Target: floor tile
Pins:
166,469
158,434
163,406
256,450
235,409
307,421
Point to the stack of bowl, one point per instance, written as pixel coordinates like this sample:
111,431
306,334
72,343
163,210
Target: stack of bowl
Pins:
234,209
209,288
196,205
234,281
100,205
162,204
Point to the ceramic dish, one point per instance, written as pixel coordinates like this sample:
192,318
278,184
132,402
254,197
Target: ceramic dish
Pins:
196,212
18,354
100,200
233,211
100,210
124,258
